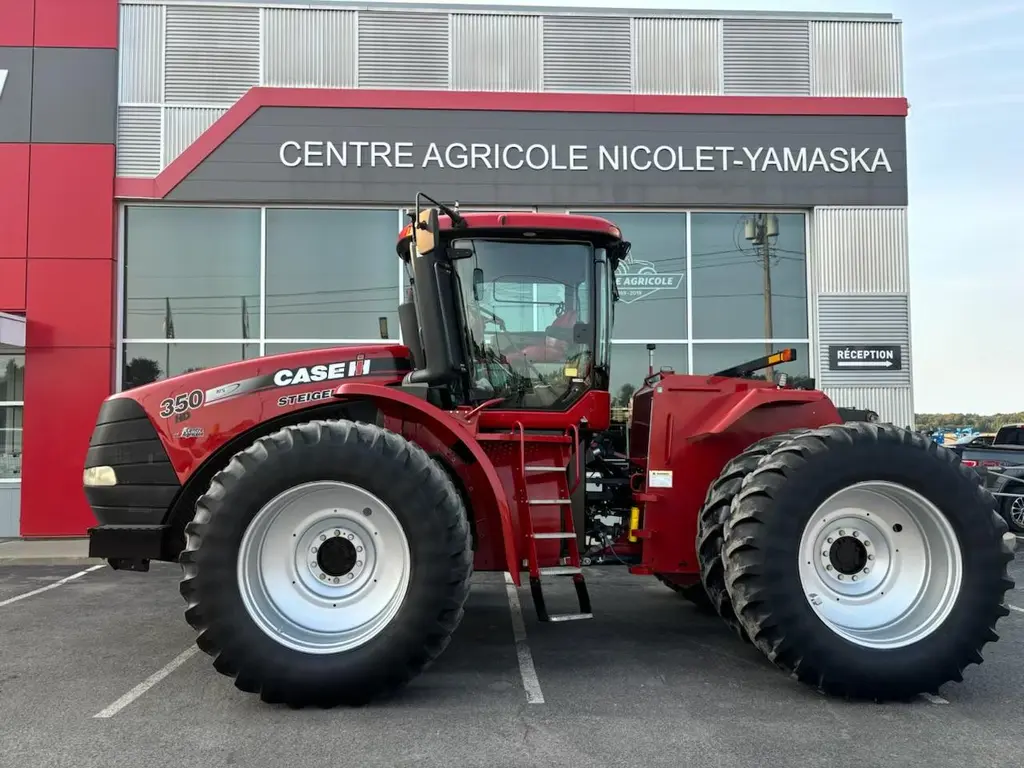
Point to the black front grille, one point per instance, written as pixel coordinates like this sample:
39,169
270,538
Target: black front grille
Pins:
124,438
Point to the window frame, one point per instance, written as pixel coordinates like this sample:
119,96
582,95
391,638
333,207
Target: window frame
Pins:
14,404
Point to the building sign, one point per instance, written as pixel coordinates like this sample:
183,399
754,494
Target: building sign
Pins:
581,157
637,280
479,157
865,357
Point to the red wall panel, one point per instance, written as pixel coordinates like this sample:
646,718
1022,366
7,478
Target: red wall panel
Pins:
63,391
12,285
76,23
16,23
13,198
71,303
71,201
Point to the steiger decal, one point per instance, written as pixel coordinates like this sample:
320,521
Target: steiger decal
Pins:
638,279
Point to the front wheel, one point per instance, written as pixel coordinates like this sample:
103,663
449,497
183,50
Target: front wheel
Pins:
866,561
327,564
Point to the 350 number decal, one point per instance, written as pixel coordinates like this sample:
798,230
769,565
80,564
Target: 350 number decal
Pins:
186,401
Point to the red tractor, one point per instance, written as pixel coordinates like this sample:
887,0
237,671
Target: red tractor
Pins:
329,507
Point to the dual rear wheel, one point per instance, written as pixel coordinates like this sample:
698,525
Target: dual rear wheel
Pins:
861,558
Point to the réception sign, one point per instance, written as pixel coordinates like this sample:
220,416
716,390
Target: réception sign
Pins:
581,157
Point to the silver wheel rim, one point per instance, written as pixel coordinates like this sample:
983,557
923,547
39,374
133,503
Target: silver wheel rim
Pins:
1017,511
291,567
911,565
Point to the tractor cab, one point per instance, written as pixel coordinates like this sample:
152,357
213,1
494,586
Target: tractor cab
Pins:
510,308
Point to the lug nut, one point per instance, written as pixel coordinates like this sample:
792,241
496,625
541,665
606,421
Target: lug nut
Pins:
854,578
842,533
856,534
337,532
840,577
867,543
359,549
351,576
829,541
824,554
323,537
871,557
323,576
350,536
313,550
867,570
359,563
828,567
337,581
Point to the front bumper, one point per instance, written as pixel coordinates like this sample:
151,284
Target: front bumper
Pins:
140,487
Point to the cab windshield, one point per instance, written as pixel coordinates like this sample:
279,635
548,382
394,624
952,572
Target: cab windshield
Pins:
528,317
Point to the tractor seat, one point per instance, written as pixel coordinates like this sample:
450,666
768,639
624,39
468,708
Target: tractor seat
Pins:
553,350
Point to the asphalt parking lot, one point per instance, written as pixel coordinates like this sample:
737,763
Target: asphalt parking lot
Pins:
100,670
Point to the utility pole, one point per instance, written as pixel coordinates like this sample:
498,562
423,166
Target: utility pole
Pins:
760,229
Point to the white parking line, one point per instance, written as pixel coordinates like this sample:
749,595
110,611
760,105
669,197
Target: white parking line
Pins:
48,587
1015,608
526,669
148,683
931,698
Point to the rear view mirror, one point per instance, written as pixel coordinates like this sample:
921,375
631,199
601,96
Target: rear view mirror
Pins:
428,230
478,283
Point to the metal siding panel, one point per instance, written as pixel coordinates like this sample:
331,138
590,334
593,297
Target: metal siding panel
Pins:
856,58
863,319
894,405
10,510
766,57
862,250
138,141
310,48
213,54
492,52
183,125
677,55
403,49
588,54
140,52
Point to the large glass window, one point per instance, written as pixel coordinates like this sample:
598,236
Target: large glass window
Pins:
652,280
749,276
12,394
711,358
331,274
146,363
192,273
631,364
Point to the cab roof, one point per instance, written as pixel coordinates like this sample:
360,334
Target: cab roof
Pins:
527,220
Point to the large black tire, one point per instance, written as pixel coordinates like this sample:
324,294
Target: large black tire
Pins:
762,560
695,593
711,523
427,507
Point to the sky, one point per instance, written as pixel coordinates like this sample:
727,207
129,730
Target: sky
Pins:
964,76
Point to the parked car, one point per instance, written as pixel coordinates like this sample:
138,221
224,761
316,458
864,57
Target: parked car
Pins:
1001,466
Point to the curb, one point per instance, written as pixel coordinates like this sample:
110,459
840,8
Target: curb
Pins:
4,561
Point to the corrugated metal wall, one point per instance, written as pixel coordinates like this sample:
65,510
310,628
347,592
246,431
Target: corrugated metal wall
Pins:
863,319
212,54
893,404
861,250
209,55
496,52
10,510
138,141
183,125
677,56
403,50
859,58
310,48
762,56
572,61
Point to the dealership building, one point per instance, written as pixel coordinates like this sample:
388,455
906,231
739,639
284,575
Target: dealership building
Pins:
184,184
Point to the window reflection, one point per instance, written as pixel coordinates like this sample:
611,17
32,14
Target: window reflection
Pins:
10,442
631,364
652,281
192,272
737,260
12,377
331,274
711,358
146,363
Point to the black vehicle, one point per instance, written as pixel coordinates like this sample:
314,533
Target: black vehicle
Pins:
1001,466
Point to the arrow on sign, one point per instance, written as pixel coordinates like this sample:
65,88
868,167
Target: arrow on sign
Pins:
864,364
3,80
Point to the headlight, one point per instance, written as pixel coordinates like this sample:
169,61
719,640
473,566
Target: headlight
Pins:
99,476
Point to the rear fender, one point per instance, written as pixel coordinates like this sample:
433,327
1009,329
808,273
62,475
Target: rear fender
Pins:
401,405
817,410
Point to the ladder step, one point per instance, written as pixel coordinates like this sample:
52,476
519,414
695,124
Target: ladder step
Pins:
560,570
543,469
570,616
548,502
554,535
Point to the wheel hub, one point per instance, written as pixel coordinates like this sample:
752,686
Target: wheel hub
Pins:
880,564
324,567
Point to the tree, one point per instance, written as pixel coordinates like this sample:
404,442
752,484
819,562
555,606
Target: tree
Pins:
625,392
139,371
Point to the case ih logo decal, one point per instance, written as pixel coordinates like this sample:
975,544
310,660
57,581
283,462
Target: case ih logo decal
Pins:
639,279
289,376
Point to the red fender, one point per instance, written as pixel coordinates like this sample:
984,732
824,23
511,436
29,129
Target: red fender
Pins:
723,418
394,402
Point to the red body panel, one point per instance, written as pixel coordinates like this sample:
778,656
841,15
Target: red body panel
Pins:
685,429
238,396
